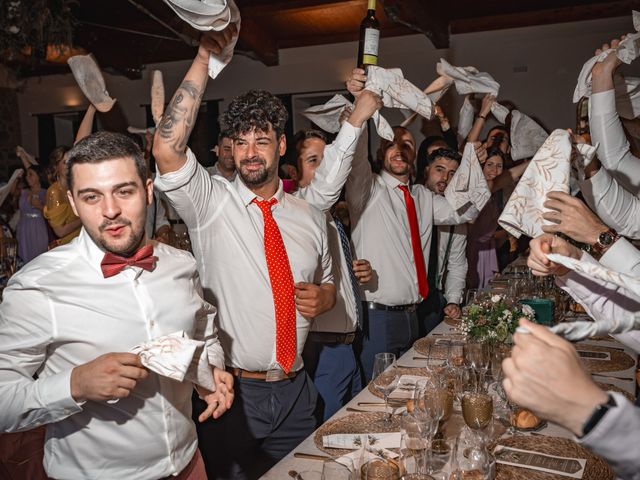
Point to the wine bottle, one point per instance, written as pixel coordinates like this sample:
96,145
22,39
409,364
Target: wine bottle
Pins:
369,37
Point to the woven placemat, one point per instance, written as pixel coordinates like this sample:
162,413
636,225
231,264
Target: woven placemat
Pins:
619,359
422,372
355,423
438,352
596,468
615,388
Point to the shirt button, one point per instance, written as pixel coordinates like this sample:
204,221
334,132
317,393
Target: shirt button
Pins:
151,322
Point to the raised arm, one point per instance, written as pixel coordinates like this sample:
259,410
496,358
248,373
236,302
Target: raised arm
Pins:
86,125
478,124
170,141
509,177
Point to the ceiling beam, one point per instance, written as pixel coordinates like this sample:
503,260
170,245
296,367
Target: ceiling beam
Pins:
255,8
421,16
256,42
544,17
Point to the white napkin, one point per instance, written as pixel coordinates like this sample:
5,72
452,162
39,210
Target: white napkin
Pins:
357,440
174,356
468,184
468,79
358,458
396,92
208,15
327,116
548,171
22,153
157,96
582,329
6,189
627,96
435,90
465,119
526,136
90,80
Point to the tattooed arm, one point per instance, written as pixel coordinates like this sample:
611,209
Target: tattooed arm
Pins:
170,141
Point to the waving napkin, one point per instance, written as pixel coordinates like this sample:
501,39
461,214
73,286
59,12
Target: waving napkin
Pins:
435,90
177,356
157,103
5,190
327,116
396,92
580,330
90,80
208,15
468,184
627,89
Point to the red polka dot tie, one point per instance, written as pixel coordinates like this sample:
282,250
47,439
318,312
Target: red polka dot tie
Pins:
416,243
281,287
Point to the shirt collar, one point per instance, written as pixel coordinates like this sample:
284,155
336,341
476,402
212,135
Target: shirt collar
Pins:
247,195
391,181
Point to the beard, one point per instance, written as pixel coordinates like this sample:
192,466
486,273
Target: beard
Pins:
398,169
257,177
126,246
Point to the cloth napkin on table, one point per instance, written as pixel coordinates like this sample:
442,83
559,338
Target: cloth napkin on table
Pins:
90,80
468,185
549,171
580,330
209,15
178,357
627,88
357,440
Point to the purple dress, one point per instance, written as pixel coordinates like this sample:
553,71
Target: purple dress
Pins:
481,246
32,231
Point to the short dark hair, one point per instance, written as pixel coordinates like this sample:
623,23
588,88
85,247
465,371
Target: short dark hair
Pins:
225,134
495,151
255,109
310,133
501,128
102,146
424,162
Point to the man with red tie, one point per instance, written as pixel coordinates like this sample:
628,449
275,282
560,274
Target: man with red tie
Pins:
73,314
392,224
264,261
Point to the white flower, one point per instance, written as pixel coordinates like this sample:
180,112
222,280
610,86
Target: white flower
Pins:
13,29
528,311
496,298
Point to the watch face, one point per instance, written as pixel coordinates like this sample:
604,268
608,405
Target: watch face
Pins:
605,239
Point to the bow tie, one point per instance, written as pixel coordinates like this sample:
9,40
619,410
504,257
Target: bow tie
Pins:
113,264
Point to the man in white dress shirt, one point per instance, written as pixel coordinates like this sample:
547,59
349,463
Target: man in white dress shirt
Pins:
391,227
447,270
225,165
263,257
71,319
328,354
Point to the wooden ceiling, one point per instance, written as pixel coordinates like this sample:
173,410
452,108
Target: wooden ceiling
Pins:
125,35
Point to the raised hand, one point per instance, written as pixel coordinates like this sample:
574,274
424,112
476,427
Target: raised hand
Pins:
572,217
355,82
366,105
546,243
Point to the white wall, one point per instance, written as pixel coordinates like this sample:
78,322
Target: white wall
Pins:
552,55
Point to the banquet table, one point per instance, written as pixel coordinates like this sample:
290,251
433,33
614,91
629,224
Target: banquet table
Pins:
626,380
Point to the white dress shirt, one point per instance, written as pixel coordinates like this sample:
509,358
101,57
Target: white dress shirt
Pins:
214,170
59,312
227,236
380,230
454,264
343,317
156,215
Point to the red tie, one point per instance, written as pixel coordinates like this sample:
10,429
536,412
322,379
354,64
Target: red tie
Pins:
416,243
281,287
113,264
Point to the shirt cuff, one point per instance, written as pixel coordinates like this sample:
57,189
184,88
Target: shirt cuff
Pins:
596,186
619,256
603,103
55,392
179,178
347,136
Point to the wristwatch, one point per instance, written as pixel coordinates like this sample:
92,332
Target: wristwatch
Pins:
605,240
597,415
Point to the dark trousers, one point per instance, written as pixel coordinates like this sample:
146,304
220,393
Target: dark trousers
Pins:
335,373
430,312
386,331
266,421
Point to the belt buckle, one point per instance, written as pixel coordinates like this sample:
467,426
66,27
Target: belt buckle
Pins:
275,375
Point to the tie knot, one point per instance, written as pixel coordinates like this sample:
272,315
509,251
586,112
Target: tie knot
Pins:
404,188
265,205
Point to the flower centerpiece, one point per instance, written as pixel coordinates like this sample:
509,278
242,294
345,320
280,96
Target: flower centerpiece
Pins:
494,319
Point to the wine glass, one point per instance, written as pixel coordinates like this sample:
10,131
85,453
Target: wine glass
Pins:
478,357
385,381
470,455
472,293
477,410
431,408
415,439
334,470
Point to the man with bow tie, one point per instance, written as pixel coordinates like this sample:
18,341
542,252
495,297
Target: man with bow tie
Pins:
72,315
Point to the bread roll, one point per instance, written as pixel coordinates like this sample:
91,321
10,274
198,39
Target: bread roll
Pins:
525,419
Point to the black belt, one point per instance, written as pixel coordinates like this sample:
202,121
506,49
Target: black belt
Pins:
331,337
391,308
176,222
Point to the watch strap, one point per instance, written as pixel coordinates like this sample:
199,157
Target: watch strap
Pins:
597,415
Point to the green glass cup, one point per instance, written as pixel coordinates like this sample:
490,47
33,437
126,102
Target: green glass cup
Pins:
543,308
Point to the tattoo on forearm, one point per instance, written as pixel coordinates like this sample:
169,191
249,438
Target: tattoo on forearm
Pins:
180,116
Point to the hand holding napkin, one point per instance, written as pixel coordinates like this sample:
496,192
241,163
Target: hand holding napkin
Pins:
178,357
90,80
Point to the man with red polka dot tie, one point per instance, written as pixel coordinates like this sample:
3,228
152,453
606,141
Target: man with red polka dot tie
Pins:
264,262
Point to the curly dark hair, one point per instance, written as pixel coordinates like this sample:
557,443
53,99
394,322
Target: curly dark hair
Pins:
255,109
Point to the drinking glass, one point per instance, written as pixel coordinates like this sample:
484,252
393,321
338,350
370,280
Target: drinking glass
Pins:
415,431
470,455
477,410
472,293
385,381
379,469
333,470
478,357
